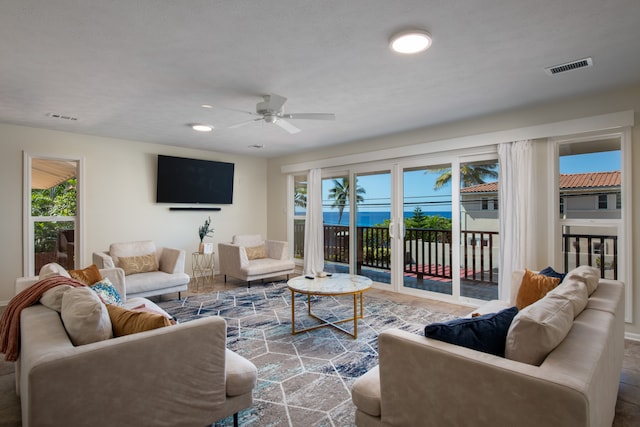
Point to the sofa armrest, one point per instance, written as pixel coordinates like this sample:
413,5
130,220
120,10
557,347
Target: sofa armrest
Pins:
277,249
172,260
103,260
423,382
232,258
176,371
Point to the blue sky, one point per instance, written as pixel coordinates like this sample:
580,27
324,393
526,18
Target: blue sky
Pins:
418,185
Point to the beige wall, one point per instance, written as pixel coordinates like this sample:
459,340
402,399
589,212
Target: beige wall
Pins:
603,103
119,177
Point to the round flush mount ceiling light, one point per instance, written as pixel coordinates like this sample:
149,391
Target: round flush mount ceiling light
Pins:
411,41
202,128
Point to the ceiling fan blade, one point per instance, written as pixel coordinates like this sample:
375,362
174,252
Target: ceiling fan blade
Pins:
287,126
310,116
246,122
275,102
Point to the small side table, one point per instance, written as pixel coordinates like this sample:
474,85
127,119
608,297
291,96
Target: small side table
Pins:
203,267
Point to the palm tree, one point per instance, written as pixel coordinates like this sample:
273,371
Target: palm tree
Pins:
340,195
300,196
469,174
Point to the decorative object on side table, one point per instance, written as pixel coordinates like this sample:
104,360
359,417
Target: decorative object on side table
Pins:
204,231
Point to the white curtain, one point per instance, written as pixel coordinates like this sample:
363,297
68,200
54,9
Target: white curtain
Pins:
313,226
515,189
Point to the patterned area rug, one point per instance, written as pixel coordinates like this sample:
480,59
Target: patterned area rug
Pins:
306,379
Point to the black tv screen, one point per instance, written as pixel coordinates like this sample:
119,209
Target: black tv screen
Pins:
182,180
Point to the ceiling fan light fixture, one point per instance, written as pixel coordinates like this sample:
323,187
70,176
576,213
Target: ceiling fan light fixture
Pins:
410,42
201,127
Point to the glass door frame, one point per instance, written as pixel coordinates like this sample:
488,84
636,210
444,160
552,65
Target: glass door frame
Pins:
28,263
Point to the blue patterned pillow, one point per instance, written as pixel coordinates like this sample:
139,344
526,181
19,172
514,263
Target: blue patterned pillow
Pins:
486,333
107,292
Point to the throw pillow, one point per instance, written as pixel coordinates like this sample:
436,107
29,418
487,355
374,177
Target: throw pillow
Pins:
575,291
53,297
533,287
138,264
256,252
88,276
538,329
552,273
587,274
107,292
486,333
84,316
126,322
52,269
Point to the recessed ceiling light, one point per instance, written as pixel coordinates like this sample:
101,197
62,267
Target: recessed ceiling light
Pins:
206,106
202,128
409,42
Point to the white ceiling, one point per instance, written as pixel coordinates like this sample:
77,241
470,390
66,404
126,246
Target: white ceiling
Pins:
141,69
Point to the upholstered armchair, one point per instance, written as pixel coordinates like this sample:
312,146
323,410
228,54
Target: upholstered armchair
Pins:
149,270
250,257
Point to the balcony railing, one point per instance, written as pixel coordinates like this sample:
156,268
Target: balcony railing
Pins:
428,252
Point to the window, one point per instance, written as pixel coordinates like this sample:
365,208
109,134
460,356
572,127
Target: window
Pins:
299,214
602,201
485,204
51,232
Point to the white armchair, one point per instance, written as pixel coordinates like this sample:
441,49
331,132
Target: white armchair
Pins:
148,270
251,257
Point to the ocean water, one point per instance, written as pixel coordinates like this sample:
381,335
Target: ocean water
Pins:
369,219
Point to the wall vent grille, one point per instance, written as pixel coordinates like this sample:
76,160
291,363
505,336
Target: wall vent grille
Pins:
569,66
61,116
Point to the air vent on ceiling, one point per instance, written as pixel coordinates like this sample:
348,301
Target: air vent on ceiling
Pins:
61,116
569,66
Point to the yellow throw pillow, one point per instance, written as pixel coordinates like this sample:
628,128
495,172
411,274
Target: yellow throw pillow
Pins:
533,287
256,252
88,276
126,322
138,264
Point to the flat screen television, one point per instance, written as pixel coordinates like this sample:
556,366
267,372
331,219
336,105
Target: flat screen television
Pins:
182,180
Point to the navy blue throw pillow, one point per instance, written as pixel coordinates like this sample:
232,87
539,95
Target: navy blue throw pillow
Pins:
486,333
550,272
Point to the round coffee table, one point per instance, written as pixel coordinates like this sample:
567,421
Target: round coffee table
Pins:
337,284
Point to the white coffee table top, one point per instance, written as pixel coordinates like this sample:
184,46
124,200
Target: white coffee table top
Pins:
336,284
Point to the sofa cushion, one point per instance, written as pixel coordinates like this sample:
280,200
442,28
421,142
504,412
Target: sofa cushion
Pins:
575,291
587,274
366,393
241,375
486,333
84,316
268,265
53,297
138,264
533,287
549,271
88,276
256,252
52,269
107,292
126,322
537,329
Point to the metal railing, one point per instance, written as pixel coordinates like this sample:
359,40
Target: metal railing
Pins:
428,252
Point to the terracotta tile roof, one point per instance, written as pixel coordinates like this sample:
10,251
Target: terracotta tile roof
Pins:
567,182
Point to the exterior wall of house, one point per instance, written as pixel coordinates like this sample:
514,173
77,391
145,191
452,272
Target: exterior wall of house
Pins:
626,98
119,201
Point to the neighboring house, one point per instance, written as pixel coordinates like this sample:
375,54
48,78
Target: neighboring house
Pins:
594,195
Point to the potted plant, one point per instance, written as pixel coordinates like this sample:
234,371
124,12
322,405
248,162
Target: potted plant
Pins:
204,231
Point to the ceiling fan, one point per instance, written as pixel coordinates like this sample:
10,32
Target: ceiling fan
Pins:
271,111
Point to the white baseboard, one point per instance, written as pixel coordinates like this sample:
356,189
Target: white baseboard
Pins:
631,337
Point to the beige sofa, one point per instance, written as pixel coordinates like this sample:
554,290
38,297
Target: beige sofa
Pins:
250,257
180,375
426,382
165,276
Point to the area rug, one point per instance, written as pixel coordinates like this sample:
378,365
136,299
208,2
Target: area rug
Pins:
303,380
